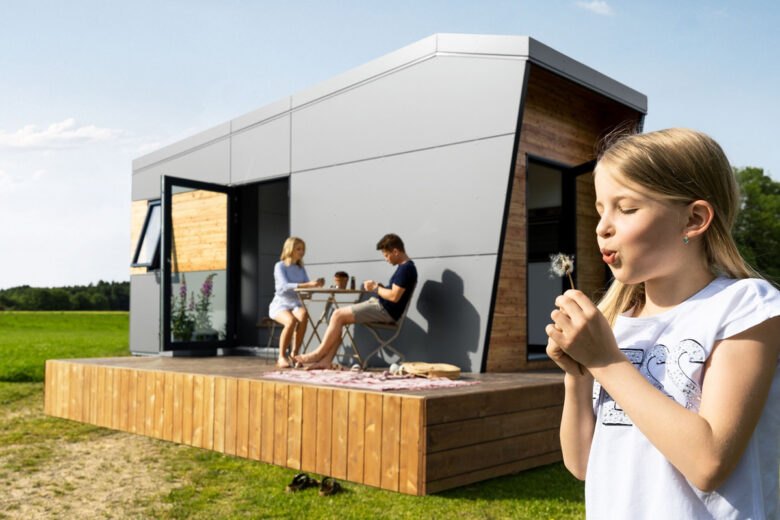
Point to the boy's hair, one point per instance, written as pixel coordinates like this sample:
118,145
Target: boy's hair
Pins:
678,165
287,250
389,242
340,274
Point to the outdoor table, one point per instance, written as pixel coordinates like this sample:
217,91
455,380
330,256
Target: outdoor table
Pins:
330,296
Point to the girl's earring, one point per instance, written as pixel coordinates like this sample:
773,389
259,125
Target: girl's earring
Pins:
686,239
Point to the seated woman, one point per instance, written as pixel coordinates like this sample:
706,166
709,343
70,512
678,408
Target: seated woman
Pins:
286,307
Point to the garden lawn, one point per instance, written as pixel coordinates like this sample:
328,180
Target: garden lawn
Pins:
48,466
28,339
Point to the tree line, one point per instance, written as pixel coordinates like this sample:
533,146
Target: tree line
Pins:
103,296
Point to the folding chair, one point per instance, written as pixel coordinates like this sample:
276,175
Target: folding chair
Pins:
396,327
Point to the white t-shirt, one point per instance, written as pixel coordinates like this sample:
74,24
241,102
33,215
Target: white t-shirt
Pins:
627,477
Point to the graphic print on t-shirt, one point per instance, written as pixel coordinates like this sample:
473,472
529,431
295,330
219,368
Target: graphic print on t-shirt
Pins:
675,371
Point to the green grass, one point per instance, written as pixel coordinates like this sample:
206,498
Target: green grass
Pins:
209,485
28,339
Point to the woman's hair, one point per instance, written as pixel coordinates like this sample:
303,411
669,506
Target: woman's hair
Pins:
678,165
287,250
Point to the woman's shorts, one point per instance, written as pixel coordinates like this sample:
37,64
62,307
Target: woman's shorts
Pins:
276,307
371,311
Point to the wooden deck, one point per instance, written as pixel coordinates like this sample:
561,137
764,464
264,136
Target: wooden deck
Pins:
415,442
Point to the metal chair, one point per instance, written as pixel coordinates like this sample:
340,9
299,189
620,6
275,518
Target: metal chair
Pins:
395,327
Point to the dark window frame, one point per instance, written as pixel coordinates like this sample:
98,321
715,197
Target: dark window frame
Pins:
154,263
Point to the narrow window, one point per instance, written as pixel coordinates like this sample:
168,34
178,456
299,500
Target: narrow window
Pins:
147,252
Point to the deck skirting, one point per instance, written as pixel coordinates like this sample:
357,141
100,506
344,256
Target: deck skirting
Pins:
412,442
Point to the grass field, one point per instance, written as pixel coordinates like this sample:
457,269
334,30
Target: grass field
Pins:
55,468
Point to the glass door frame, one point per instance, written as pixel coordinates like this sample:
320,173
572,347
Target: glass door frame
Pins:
166,343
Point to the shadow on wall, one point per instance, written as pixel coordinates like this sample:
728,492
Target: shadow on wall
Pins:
453,327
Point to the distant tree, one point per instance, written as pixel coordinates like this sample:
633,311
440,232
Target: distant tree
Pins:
103,296
757,228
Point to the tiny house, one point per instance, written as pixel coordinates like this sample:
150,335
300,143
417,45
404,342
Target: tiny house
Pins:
477,150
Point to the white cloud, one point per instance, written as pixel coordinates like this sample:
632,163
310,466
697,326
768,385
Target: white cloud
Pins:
599,7
64,134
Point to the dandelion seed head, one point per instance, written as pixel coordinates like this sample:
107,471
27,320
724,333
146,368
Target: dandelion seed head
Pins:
561,264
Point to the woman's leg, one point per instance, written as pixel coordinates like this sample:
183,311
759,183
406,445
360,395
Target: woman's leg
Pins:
300,331
289,322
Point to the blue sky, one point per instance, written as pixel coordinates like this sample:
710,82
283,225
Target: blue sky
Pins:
87,86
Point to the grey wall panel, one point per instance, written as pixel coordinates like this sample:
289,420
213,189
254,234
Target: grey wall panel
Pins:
438,101
396,59
185,145
210,163
448,318
261,151
261,115
145,314
442,202
146,185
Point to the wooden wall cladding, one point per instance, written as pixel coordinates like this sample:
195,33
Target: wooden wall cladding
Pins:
563,122
199,231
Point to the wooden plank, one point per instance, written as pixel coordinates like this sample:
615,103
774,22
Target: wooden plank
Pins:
187,411
449,463
280,423
151,397
209,390
140,399
47,387
472,405
197,410
116,391
124,399
220,409
340,445
391,441
168,406
100,405
372,470
178,403
508,468
451,435
132,404
294,422
267,428
356,436
159,405
324,430
242,419
255,418
76,392
231,415
413,447
309,429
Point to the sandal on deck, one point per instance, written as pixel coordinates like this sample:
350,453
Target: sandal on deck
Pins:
329,487
301,481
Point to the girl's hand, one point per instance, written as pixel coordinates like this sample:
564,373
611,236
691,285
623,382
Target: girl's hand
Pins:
562,359
581,332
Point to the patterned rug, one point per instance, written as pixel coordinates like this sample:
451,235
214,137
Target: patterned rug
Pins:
378,381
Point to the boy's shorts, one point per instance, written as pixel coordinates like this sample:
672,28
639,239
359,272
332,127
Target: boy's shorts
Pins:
371,311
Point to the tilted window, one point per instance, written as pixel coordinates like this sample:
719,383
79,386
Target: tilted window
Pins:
147,251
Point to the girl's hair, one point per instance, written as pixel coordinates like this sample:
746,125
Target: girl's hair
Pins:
678,165
287,251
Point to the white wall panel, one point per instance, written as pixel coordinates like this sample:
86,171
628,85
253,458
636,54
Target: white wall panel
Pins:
210,163
261,152
442,202
447,320
144,314
442,100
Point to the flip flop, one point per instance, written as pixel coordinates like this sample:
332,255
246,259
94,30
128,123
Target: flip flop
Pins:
301,481
329,487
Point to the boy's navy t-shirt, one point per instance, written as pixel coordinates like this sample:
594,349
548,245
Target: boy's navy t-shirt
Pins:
405,276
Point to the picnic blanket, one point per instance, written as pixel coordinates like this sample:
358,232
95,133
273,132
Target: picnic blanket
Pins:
379,381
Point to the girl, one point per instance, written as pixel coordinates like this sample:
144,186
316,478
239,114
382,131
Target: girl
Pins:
678,412
286,307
